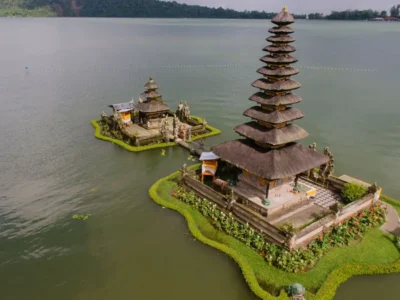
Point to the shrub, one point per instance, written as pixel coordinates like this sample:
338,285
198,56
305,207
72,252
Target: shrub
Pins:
288,228
298,260
353,191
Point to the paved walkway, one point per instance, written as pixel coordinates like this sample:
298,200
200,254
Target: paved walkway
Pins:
325,197
392,224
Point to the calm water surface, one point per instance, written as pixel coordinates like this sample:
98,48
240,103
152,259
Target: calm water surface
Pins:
51,166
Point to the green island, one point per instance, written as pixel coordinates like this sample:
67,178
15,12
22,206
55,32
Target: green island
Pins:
376,253
274,205
150,124
97,125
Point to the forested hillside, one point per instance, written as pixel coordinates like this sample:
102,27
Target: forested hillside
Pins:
128,8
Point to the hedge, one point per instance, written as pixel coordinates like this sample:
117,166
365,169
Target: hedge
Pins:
327,289
97,134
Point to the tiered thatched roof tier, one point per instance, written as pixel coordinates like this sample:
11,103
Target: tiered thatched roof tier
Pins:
270,149
274,117
271,136
275,100
269,163
152,107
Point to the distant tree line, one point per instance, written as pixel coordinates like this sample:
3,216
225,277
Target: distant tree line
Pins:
159,9
356,14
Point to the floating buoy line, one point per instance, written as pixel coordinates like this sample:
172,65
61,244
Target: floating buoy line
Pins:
132,67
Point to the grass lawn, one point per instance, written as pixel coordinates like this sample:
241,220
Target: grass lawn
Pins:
393,202
375,254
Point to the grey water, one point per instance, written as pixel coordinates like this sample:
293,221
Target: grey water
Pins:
58,74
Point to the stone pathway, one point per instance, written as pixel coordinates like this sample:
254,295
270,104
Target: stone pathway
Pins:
392,224
324,198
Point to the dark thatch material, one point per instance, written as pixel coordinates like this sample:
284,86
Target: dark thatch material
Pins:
282,85
279,49
274,137
275,117
270,164
281,39
278,60
283,18
280,72
152,107
265,99
284,30
151,95
151,85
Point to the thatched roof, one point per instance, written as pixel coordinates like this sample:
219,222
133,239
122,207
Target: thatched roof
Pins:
265,99
274,117
271,136
123,106
270,164
279,60
284,29
280,72
280,48
282,85
151,95
283,18
281,39
152,107
151,85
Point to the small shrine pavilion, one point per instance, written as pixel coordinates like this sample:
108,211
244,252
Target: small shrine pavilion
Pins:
269,155
152,110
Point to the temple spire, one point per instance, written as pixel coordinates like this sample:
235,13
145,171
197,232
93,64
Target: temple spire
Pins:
269,149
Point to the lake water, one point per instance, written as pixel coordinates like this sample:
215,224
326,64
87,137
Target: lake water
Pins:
51,166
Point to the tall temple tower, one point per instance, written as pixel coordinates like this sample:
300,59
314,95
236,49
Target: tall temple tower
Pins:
270,155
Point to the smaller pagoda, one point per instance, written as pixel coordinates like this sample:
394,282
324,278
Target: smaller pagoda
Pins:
152,110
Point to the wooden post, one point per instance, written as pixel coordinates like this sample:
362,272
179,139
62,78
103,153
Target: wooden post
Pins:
267,191
296,180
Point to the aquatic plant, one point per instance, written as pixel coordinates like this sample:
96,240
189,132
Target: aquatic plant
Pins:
81,217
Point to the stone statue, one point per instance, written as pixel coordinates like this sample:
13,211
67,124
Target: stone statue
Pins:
186,113
313,146
296,291
373,188
326,151
179,111
175,124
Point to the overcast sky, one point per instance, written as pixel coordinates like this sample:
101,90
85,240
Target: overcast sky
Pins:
297,6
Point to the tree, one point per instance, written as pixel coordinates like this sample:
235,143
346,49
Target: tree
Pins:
315,16
384,14
394,11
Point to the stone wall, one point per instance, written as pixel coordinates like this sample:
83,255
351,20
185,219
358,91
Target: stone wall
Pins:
310,233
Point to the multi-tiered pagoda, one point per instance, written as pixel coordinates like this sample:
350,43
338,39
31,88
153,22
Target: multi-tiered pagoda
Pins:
270,156
151,109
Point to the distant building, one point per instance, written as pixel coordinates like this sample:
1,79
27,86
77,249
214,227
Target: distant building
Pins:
391,19
377,19
385,19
